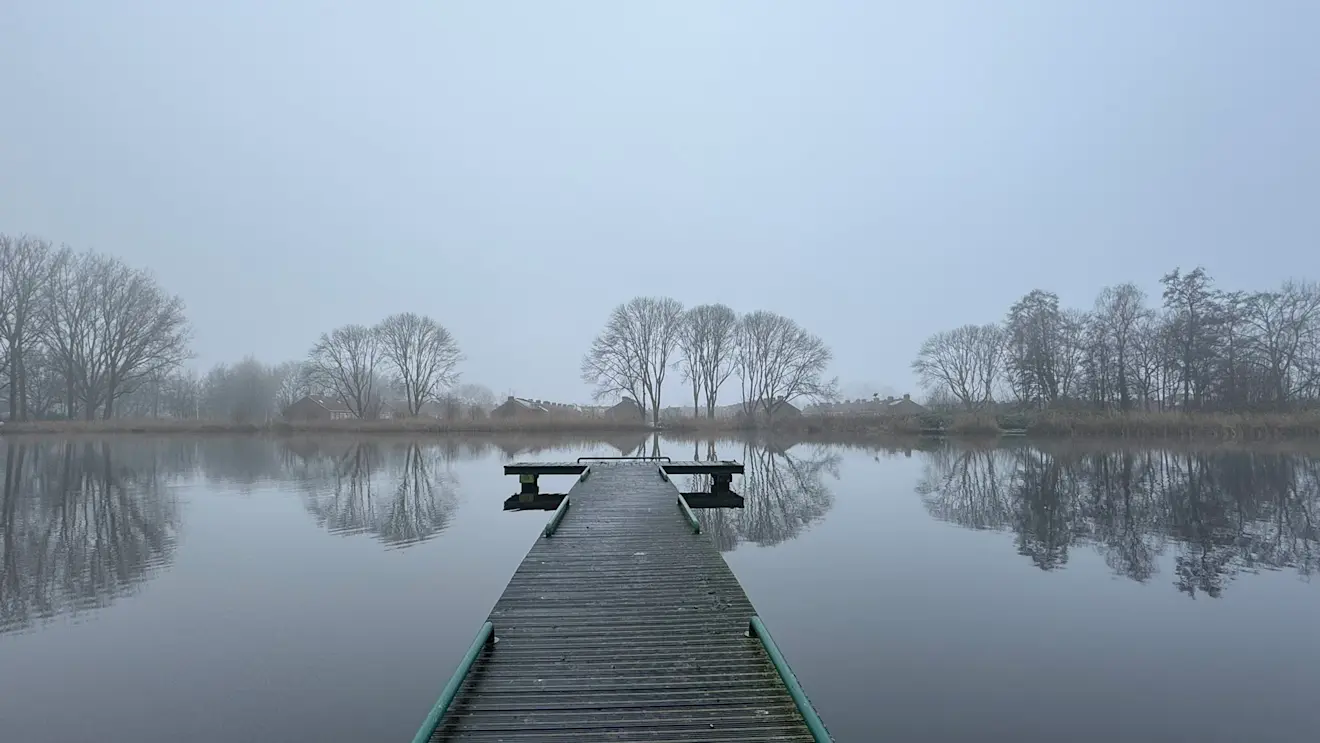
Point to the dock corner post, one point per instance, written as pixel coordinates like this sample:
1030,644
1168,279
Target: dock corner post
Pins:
721,483
530,488
756,628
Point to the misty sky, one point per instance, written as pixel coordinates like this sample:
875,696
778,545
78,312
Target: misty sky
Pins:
877,171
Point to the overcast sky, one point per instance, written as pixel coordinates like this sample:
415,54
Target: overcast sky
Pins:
877,171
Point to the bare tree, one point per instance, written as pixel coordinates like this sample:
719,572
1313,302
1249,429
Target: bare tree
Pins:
474,395
243,393
25,267
778,361
345,361
421,354
966,362
145,330
631,355
708,339
691,347
1118,311
1283,328
296,381
1034,327
108,327
1190,302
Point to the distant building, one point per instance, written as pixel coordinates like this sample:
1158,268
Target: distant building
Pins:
626,409
517,408
903,406
888,406
317,408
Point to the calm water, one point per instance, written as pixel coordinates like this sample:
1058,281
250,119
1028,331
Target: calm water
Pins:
243,589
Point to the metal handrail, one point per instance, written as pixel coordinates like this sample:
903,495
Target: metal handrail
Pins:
756,628
657,458
553,523
687,511
485,637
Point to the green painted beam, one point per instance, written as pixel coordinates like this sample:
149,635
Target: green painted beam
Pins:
552,525
484,637
691,517
757,629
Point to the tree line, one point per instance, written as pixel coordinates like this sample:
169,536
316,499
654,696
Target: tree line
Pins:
1200,348
80,331
773,358
407,360
84,335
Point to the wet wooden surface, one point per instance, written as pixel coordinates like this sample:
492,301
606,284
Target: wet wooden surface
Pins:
623,626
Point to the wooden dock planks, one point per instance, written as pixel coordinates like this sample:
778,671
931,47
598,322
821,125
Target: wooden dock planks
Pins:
623,626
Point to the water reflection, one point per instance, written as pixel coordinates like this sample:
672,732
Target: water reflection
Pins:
783,487
82,523
1221,513
401,493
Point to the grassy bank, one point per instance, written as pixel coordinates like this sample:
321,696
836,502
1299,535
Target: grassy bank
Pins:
1049,425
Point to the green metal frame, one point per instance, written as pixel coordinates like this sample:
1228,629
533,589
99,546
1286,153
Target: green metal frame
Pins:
485,637
664,475
756,628
687,511
585,474
553,523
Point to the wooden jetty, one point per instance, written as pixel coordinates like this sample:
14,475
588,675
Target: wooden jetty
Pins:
623,623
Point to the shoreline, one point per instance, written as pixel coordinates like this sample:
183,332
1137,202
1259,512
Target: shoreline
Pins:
1050,425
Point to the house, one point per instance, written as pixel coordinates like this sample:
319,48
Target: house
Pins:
518,408
903,406
317,408
626,409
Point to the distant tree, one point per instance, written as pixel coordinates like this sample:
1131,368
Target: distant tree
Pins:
296,381
1283,327
146,332
26,264
965,362
632,354
1191,304
474,395
1118,313
109,327
346,362
243,393
1035,327
707,341
181,395
777,360
420,355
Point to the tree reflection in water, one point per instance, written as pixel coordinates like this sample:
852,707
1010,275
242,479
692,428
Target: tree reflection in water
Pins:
1223,513
401,494
784,493
80,526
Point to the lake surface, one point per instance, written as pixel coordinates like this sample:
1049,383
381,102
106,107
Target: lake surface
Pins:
245,589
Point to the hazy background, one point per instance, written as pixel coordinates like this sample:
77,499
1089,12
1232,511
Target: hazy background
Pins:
877,171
